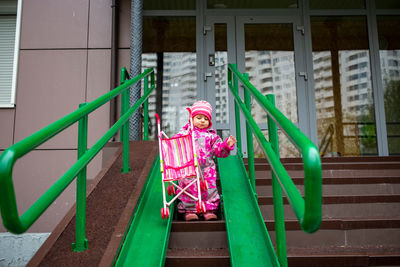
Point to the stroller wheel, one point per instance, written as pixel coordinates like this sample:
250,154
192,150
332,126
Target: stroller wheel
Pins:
162,213
165,213
203,207
171,190
198,207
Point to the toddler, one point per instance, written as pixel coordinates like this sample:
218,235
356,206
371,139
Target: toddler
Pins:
208,145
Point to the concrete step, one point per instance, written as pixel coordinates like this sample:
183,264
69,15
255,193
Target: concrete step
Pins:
345,206
344,163
351,232
343,189
393,174
342,211
343,199
344,256
262,178
299,257
198,235
197,257
360,210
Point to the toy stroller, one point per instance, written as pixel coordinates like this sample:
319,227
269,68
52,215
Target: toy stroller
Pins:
178,160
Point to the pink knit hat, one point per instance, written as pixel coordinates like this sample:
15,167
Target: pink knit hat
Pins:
202,107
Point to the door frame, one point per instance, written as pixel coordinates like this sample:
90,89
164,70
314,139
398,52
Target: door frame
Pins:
305,104
236,53
209,48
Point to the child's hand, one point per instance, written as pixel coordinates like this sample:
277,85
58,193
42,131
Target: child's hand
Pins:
231,141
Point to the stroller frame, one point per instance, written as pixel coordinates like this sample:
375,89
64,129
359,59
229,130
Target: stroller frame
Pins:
180,172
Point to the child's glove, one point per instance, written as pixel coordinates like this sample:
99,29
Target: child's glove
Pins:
231,141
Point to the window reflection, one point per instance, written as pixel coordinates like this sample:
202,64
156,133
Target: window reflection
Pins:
389,52
169,46
343,89
269,60
221,72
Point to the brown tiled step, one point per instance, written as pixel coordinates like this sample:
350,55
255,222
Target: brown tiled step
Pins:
343,224
344,256
327,224
375,159
343,189
262,179
334,164
333,233
197,257
198,235
393,174
342,211
266,200
339,238
198,226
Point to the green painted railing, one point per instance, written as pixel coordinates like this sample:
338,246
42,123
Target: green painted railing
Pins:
8,205
307,209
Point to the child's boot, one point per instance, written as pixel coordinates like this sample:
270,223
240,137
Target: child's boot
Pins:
191,217
210,216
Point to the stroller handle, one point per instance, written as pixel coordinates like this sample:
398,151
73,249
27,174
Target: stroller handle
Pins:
158,118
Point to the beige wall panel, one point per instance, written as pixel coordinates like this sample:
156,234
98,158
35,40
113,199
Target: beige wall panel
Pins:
100,24
54,24
7,127
37,172
124,23
33,175
98,84
123,61
51,84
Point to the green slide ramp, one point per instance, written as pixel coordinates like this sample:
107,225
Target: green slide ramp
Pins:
146,241
249,242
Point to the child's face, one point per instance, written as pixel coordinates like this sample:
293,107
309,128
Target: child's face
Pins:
200,121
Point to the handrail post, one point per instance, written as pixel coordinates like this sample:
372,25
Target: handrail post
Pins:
81,243
125,128
277,193
237,119
249,137
146,111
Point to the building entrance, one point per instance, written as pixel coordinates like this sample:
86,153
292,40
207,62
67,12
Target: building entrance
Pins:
266,49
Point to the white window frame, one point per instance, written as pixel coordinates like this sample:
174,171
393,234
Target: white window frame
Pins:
9,11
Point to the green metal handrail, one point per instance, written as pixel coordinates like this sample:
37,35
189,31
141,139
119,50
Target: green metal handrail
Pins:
9,212
307,209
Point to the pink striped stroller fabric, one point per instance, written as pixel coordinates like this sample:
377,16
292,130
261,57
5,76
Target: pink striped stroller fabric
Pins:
178,156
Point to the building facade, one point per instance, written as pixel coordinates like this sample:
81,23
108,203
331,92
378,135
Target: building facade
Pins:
334,68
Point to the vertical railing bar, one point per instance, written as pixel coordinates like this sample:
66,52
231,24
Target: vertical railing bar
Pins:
81,243
277,193
146,111
125,127
122,81
249,137
237,119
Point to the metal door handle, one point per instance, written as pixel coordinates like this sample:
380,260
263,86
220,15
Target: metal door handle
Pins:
207,74
304,74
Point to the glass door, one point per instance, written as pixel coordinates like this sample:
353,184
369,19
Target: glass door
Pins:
220,50
267,52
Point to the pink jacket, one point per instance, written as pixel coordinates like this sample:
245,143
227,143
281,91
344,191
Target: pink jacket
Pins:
208,145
